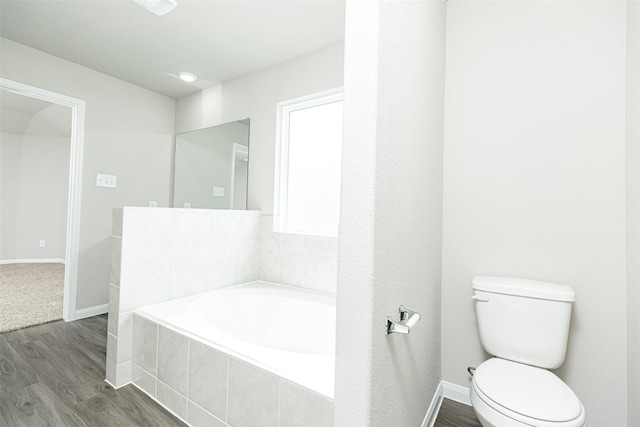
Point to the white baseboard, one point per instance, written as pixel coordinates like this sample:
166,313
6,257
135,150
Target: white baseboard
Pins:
434,408
450,391
83,313
32,261
456,392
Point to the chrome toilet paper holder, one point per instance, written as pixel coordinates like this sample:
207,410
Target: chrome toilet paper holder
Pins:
408,319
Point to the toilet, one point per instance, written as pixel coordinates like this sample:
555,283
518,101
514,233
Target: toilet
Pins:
524,324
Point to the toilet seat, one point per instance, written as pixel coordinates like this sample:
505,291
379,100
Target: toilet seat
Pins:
526,395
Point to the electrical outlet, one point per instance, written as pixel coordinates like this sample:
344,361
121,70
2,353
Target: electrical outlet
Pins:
43,243
218,191
187,205
153,204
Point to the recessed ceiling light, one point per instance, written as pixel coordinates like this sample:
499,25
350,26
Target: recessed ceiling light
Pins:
157,7
187,77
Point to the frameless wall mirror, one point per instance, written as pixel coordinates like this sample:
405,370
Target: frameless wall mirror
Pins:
211,167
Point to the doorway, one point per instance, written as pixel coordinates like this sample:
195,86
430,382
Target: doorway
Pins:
76,140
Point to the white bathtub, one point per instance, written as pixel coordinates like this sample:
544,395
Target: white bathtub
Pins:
285,330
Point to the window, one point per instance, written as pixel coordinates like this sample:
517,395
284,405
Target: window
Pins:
308,160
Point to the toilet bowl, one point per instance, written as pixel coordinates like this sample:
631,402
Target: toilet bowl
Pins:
512,394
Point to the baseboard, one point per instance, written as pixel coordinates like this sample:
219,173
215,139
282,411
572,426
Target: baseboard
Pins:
434,408
83,313
456,392
450,391
32,261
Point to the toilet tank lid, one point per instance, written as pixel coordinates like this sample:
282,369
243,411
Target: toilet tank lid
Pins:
524,287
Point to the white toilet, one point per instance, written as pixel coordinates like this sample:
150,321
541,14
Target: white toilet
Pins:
525,325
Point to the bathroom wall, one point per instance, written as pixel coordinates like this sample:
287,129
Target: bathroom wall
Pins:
128,133
159,254
390,232
534,178
633,209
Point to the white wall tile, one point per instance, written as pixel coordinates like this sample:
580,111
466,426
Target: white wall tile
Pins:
322,273
198,417
116,221
116,260
125,337
189,275
249,265
208,371
114,310
293,268
147,235
302,407
144,380
173,359
173,400
253,396
269,265
190,234
144,282
111,362
145,344
323,245
123,374
223,270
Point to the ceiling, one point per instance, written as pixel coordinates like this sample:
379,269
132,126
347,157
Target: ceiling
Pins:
215,40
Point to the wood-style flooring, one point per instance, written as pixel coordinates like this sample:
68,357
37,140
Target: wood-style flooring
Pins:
53,375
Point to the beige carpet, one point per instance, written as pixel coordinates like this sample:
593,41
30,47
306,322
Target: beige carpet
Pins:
30,294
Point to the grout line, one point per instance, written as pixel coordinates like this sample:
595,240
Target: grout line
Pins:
226,409
186,415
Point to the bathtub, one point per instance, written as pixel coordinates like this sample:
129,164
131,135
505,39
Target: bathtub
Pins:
287,331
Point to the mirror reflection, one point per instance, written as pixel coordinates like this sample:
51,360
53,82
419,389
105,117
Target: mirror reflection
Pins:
211,167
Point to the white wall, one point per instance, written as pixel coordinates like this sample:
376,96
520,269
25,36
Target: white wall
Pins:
534,178
43,189
633,209
390,233
128,133
35,182
10,152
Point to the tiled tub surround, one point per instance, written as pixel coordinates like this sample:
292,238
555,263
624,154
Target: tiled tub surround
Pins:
160,254
298,260
207,377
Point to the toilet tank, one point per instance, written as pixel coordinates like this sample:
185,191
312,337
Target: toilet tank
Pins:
523,320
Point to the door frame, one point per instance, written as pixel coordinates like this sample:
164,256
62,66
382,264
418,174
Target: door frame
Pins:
75,184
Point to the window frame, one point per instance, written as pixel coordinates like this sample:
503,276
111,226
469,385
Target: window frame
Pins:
280,193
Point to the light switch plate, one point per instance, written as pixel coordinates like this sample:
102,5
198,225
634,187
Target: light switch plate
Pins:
218,191
103,180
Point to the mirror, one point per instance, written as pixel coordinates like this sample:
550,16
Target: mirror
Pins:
211,167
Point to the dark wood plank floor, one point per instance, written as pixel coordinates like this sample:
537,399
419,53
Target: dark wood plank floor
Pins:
53,375
454,414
